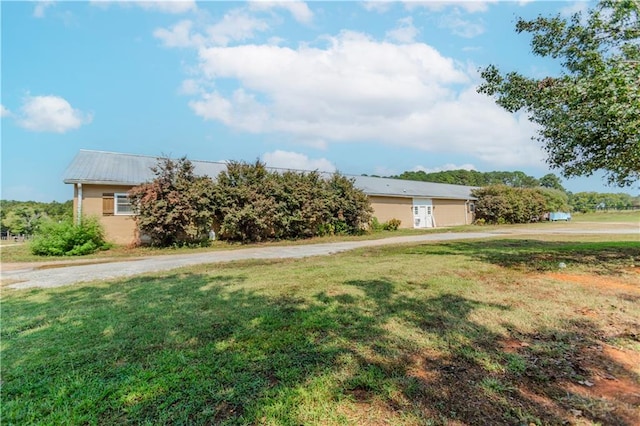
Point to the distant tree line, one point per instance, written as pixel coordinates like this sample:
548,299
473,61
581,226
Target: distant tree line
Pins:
577,202
516,179
25,217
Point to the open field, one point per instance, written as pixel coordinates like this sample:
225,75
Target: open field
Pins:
466,332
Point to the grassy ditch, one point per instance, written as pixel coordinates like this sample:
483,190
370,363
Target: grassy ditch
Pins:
469,332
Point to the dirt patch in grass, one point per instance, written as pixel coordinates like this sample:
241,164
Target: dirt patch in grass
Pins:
628,281
615,384
600,380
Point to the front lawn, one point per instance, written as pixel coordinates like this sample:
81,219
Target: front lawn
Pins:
470,332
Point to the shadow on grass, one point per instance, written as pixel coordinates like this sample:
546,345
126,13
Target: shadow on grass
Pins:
538,255
199,349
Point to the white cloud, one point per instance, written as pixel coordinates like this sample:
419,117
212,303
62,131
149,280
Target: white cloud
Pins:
298,9
296,161
41,7
235,25
460,26
168,6
405,32
380,6
50,114
471,6
356,88
444,168
180,35
189,87
575,7
171,6
4,112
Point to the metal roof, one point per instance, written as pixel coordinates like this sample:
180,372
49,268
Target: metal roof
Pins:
100,167
411,188
115,168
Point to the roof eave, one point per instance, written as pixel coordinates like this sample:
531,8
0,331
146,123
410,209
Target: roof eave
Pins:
101,182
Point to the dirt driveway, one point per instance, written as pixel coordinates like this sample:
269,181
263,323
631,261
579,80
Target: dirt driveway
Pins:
36,276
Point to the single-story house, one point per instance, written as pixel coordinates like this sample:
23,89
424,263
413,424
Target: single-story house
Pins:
101,181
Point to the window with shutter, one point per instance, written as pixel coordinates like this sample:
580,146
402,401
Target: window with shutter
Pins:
107,204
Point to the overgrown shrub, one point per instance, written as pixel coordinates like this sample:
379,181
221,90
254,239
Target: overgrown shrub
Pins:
392,225
69,239
174,209
503,204
252,203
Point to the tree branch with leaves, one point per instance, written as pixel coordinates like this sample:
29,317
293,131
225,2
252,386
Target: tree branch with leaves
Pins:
589,115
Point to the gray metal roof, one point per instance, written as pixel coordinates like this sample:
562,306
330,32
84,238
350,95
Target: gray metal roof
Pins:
100,167
114,168
411,188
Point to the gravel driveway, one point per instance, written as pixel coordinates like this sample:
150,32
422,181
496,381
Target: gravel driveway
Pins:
68,275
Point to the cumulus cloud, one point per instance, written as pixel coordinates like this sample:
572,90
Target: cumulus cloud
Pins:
298,9
405,32
460,26
41,6
168,6
237,25
296,161
355,88
50,114
179,35
379,6
471,6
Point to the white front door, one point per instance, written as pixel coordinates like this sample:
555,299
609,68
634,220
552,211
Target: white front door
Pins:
422,213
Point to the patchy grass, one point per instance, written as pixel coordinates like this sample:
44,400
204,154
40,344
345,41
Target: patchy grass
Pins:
608,216
451,333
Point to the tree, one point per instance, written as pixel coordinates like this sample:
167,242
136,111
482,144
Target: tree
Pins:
22,219
176,207
589,115
552,181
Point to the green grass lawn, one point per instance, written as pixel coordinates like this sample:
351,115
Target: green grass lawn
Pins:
469,332
608,216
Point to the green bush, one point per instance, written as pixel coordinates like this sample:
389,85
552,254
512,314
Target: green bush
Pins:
375,225
67,239
392,225
503,204
252,203
175,208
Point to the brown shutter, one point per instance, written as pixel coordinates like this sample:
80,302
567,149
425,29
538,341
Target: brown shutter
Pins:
107,204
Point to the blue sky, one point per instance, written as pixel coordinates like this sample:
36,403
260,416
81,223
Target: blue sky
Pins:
359,87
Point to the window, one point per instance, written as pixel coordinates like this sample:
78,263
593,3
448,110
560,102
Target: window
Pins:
472,207
116,204
415,210
122,204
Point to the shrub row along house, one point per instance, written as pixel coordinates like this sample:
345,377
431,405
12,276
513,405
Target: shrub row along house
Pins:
101,181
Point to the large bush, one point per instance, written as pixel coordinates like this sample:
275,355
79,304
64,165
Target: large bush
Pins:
505,204
176,207
69,239
252,203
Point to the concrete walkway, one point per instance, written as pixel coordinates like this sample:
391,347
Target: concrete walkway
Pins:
68,275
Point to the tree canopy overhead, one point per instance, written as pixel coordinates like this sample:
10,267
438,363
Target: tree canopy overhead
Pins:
589,115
